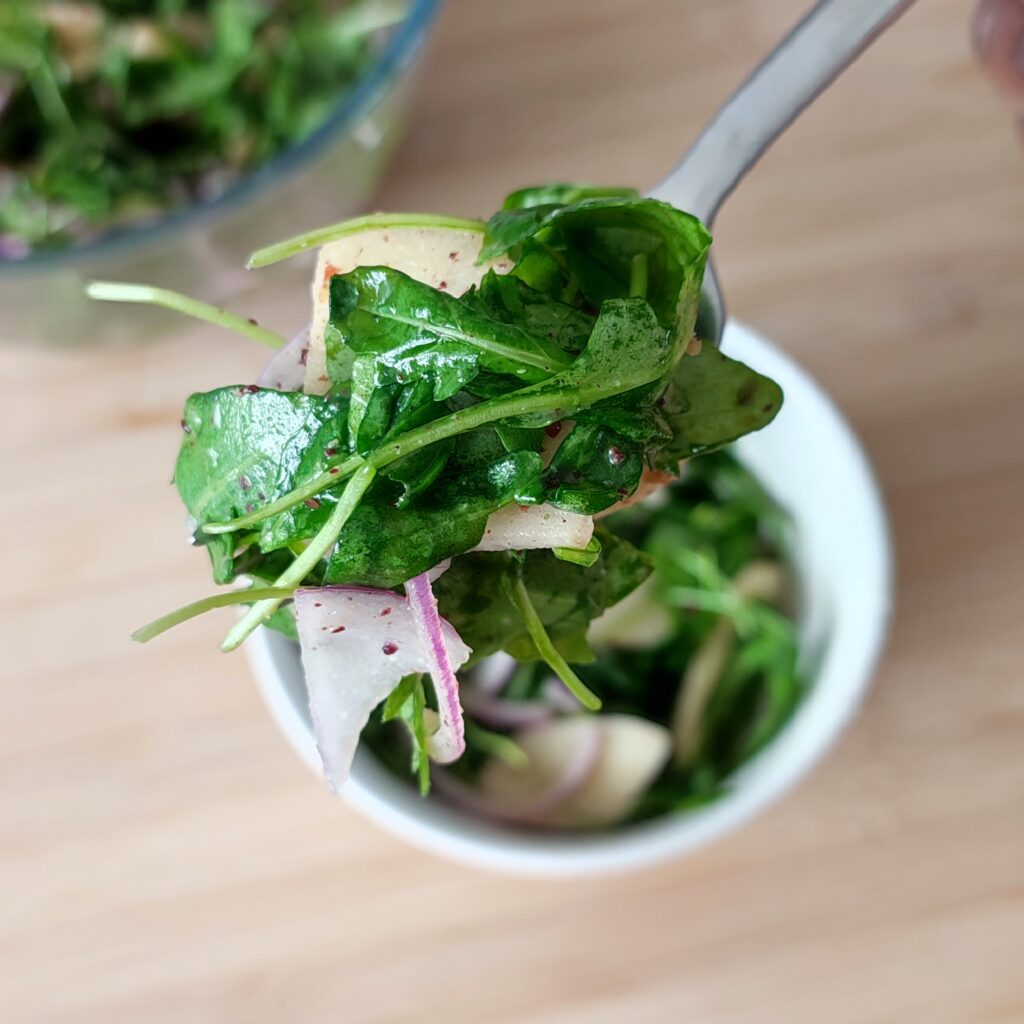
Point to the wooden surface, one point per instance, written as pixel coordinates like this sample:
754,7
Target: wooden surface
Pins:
166,857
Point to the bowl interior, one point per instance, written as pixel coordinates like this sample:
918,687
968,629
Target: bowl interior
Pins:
813,465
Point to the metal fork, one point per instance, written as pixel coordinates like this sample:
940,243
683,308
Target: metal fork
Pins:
829,38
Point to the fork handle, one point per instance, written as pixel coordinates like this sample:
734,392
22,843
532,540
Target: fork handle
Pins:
830,36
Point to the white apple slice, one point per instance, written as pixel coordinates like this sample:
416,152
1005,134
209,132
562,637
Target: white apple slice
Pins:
760,580
444,258
632,753
519,527
640,620
561,755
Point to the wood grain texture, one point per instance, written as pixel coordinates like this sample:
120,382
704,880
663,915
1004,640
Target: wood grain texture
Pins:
166,858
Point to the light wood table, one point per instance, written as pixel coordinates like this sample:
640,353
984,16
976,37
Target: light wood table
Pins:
167,858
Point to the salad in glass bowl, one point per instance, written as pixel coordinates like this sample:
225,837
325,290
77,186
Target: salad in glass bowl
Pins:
165,138
114,112
486,494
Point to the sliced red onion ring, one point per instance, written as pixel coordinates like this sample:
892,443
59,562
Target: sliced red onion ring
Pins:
558,697
449,742
286,370
538,808
491,710
492,674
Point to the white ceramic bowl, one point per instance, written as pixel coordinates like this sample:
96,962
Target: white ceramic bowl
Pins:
811,462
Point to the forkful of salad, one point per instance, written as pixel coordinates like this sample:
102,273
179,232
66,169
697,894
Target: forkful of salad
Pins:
469,398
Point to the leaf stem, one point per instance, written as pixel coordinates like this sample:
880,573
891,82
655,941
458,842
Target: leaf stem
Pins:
117,291
301,567
48,97
585,556
496,744
520,597
190,611
330,477
695,599
321,236
459,422
638,276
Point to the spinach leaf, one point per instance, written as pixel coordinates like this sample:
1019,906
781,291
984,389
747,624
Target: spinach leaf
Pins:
412,329
713,401
383,545
474,599
594,468
527,210
510,300
597,242
627,349
244,446
563,194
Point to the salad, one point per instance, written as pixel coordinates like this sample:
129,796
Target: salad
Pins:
114,111
485,493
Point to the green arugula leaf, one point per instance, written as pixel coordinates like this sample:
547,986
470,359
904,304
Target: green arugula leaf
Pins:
597,240
473,598
563,194
757,694
245,445
519,597
510,300
713,401
594,468
407,703
384,545
412,329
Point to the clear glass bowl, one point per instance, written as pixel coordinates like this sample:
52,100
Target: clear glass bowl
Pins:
202,249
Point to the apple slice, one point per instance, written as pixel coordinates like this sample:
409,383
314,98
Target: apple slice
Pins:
518,527
444,258
631,753
639,621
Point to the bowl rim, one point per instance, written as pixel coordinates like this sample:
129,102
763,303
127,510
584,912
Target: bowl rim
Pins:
404,44
762,781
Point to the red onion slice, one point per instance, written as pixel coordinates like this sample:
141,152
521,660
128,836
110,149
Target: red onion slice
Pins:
449,742
538,808
558,696
504,714
493,673
357,644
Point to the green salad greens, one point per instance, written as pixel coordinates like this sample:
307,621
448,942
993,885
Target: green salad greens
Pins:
465,493
706,648
112,111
